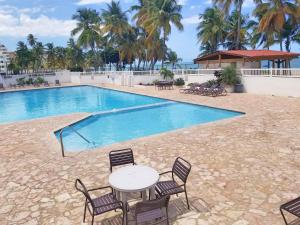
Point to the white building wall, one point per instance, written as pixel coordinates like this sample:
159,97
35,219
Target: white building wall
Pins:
279,86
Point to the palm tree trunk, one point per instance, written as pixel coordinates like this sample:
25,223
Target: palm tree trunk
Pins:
239,10
164,53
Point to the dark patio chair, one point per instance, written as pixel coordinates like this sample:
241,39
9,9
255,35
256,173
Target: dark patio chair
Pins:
57,83
292,207
46,84
121,157
99,205
180,171
1,86
219,90
155,211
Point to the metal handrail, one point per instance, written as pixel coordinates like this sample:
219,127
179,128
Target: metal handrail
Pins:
61,138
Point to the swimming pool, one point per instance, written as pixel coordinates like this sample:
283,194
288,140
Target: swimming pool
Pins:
32,104
115,116
108,128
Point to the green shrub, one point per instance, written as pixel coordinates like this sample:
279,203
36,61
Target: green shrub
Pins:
39,80
229,76
211,82
179,82
167,74
21,81
29,81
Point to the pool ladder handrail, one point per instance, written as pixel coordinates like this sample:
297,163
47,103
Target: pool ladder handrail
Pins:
61,138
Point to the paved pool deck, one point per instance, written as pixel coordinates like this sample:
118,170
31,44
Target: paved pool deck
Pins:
243,168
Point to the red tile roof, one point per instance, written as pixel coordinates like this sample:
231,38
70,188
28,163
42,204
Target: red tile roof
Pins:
249,54
259,53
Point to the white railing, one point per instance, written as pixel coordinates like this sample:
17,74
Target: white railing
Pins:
153,72
272,72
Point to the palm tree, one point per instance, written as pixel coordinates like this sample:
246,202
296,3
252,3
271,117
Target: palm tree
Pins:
74,55
38,54
156,16
233,30
60,56
31,40
275,17
173,59
115,22
128,47
23,56
50,51
211,32
226,4
88,28
116,27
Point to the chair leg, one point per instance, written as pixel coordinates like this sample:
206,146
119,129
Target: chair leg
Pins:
187,200
84,213
167,216
93,219
283,216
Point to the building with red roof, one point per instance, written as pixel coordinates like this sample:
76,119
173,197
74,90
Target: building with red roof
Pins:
246,59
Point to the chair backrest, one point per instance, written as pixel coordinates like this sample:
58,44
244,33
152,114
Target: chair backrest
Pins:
149,205
56,81
81,187
1,86
181,168
121,157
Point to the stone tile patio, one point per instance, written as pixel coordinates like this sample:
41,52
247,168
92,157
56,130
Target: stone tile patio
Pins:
243,168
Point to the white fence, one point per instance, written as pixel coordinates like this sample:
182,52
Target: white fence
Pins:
271,72
62,76
284,82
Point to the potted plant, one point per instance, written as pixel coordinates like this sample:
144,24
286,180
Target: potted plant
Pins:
239,87
179,82
230,78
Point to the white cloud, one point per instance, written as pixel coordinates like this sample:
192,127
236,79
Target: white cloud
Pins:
88,2
191,20
24,24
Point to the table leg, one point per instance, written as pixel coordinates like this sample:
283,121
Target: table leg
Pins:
144,195
152,193
123,198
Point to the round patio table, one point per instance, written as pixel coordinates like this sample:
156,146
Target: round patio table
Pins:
136,178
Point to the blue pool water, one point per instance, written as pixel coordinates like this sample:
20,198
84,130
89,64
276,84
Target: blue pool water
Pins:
116,116
24,105
101,130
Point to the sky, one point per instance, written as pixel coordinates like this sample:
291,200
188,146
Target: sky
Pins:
51,21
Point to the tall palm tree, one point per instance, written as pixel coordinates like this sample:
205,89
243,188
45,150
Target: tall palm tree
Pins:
115,21
38,54
276,15
211,32
156,16
226,4
88,28
31,40
128,47
23,56
233,30
50,51
74,55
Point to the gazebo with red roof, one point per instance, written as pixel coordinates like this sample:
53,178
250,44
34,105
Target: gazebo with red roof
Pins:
246,58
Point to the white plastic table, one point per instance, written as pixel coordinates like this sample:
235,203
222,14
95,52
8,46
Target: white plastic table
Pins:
137,178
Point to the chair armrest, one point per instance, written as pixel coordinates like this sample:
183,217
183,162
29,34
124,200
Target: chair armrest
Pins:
165,173
111,204
99,188
163,192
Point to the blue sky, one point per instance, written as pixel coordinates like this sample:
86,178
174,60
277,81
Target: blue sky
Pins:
50,21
